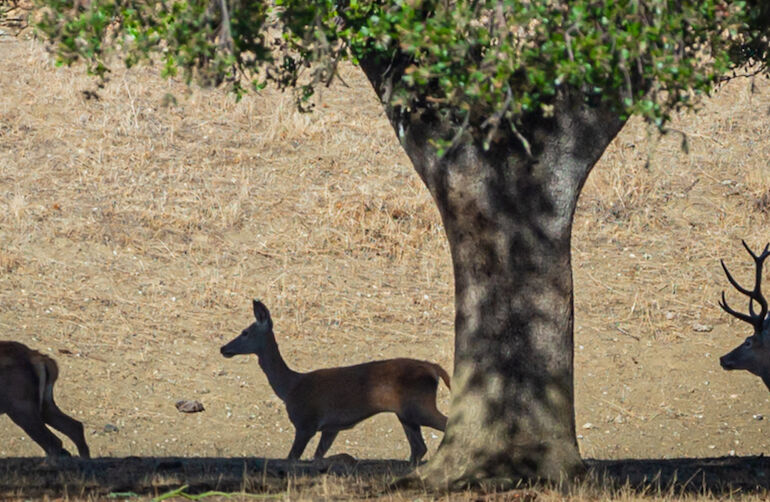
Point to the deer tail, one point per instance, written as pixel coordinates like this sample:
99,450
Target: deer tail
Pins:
444,375
47,371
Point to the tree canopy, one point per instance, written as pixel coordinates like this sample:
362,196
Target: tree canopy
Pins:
481,61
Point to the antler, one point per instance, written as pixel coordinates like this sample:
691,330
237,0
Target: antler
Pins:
754,295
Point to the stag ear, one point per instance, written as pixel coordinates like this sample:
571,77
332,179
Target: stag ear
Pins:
261,313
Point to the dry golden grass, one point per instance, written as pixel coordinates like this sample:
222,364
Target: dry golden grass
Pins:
134,231
138,234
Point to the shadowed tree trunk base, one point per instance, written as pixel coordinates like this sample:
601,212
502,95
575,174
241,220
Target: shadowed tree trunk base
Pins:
512,415
480,450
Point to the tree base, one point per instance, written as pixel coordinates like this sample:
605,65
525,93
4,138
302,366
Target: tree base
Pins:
447,472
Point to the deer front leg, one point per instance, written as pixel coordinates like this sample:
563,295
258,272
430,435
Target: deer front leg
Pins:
301,438
327,438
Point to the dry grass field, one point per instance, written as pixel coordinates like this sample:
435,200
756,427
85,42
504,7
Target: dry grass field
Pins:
136,228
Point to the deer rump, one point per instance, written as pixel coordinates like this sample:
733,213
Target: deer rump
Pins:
25,373
27,378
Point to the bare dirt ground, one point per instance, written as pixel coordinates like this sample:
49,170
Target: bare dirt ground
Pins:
136,228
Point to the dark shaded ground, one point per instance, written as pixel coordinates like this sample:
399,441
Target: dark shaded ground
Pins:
35,477
720,476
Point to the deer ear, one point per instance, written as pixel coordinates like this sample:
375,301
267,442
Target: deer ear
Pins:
261,313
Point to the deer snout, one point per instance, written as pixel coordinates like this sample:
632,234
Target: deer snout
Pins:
727,363
226,352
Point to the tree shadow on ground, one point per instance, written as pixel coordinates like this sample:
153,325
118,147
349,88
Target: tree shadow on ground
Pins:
721,476
153,476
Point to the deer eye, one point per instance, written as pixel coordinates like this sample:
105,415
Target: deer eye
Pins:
747,343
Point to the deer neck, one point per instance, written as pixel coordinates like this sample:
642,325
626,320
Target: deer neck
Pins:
280,377
766,380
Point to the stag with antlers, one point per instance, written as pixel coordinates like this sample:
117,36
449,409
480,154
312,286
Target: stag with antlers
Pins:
753,355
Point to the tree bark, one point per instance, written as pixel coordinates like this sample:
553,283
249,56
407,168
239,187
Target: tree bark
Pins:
508,217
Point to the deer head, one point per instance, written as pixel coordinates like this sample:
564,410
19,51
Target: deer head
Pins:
253,339
753,355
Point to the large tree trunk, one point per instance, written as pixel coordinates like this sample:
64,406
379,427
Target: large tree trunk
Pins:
508,217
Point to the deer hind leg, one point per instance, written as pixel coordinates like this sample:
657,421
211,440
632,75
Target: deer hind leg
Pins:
416,443
67,425
423,411
429,416
28,418
327,438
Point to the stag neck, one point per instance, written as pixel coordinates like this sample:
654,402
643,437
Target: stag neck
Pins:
280,377
766,380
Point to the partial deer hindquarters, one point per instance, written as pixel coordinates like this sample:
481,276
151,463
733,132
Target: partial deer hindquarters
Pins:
334,399
27,378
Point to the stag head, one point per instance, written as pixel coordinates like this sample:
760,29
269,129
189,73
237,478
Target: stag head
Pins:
753,354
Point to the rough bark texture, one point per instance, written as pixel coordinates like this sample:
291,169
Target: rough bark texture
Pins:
508,218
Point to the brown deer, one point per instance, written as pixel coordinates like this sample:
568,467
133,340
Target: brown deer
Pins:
27,378
334,399
753,355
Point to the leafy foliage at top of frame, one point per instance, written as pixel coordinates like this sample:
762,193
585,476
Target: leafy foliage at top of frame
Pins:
476,57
